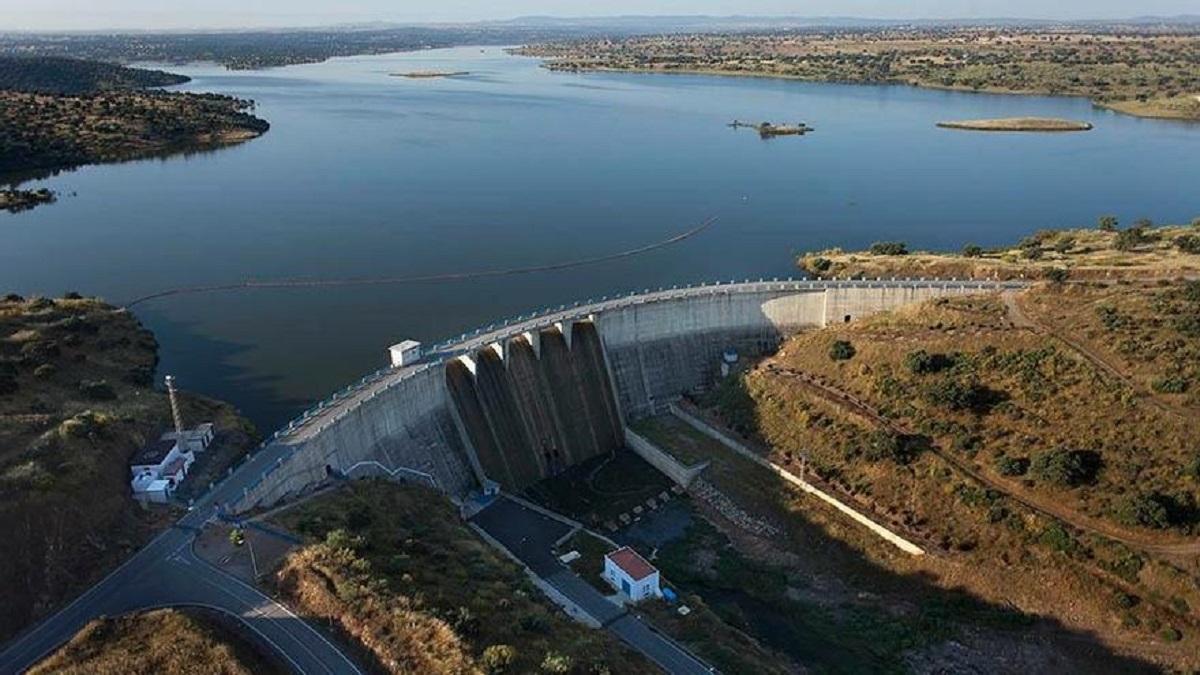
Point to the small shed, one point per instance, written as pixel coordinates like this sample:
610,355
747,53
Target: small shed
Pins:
405,353
631,574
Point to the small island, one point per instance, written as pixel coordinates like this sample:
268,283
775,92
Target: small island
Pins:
1018,124
769,130
429,74
19,200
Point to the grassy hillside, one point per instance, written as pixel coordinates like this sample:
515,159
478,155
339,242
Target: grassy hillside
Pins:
165,641
979,427
76,401
395,570
1108,251
53,75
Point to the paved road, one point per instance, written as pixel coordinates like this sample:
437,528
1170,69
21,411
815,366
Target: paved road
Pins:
167,573
529,536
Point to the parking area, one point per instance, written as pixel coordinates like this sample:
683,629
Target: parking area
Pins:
525,532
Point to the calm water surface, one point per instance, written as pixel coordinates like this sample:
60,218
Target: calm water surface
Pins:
364,174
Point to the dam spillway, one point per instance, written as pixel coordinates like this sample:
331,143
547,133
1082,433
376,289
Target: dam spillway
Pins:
531,413
522,400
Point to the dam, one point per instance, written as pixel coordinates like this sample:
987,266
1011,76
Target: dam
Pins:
520,401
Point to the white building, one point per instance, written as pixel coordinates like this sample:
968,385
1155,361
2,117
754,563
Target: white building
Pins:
405,353
631,575
158,469
196,439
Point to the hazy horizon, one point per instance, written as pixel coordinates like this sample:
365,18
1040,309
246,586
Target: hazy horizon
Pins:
74,15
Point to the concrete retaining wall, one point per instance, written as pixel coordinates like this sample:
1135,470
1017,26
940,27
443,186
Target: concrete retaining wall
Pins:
677,471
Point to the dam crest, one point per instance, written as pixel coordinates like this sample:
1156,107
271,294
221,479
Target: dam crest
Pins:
517,402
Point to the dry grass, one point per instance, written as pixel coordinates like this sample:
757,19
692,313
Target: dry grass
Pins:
1045,396
394,569
1082,253
66,515
165,641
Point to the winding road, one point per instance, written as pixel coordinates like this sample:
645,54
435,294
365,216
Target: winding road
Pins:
166,573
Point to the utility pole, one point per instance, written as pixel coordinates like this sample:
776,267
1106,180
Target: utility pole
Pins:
171,393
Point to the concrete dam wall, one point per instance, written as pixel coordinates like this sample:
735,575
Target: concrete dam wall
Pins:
521,401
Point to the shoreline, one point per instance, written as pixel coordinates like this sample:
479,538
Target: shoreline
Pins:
1113,106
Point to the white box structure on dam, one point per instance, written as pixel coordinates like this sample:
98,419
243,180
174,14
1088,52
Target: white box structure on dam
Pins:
403,422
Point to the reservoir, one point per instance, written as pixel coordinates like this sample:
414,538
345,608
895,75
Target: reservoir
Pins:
511,165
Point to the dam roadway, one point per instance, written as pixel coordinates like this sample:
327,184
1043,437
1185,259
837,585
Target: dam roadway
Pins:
402,437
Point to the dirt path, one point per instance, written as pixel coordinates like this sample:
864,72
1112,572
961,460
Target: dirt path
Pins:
1043,505
1021,319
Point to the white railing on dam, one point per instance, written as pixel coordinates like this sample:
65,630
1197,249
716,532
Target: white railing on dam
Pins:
332,409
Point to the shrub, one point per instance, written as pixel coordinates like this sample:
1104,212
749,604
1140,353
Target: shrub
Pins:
841,350
534,623
1193,467
1147,509
86,424
13,297
557,663
972,251
1143,224
1188,243
497,658
883,445
97,390
1107,223
1058,538
1057,275
1173,384
889,248
72,295
45,371
1188,324
921,362
1068,468
1032,252
1012,466
960,395
1127,240
819,264
1064,245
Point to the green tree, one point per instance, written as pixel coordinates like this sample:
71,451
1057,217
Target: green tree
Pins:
889,248
972,251
1107,223
1147,509
841,350
1067,468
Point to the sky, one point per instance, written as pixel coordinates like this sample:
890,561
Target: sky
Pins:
166,14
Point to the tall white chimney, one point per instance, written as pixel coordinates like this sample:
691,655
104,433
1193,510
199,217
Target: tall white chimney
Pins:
170,379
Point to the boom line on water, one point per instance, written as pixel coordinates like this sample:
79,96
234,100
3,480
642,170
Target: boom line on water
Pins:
250,284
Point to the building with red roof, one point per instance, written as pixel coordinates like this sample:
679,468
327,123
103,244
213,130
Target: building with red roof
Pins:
631,574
